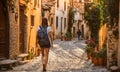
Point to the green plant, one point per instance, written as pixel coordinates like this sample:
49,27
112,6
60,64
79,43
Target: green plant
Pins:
71,19
88,49
30,54
91,43
92,16
68,34
95,54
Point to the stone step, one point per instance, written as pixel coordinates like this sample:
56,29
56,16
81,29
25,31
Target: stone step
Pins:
2,58
23,56
7,63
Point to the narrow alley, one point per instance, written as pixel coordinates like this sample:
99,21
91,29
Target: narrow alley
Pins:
65,56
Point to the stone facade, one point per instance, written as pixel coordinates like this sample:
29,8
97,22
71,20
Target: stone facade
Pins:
61,11
79,17
33,13
14,32
33,16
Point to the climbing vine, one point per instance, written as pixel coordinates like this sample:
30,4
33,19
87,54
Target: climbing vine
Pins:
92,16
71,19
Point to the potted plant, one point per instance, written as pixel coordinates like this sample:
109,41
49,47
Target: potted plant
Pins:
102,54
95,58
100,58
68,36
90,47
88,51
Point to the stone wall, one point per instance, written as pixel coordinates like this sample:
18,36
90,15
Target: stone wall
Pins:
34,11
119,39
112,48
14,32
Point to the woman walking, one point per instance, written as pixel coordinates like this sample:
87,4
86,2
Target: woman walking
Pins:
44,39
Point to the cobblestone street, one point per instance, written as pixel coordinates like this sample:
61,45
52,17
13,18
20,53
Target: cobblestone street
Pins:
65,56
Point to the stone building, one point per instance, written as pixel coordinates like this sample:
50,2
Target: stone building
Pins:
30,19
9,29
48,11
79,17
61,11
19,23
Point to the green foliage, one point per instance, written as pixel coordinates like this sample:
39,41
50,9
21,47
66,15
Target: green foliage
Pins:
89,49
92,16
68,34
71,19
90,46
95,54
103,53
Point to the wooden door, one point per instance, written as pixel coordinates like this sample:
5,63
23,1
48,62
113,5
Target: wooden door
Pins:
82,31
4,35
23,30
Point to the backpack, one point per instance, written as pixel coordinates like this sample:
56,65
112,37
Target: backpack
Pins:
43,36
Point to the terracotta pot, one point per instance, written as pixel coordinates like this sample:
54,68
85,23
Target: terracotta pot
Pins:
100,61
95,61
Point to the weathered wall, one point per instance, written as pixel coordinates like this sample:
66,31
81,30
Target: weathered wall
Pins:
32,30
119,39
14,32
61,13
34,10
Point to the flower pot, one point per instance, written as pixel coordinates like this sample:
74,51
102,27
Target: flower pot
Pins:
100,61
95,61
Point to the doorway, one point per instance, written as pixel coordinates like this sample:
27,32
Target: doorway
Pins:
82,31
23,31
4,31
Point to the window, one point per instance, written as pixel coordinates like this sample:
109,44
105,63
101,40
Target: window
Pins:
64,22
56,22
51,20
65,6
32,20
57,3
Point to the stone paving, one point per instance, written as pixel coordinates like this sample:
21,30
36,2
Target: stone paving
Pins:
65,56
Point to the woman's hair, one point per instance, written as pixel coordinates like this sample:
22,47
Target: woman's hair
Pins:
44,22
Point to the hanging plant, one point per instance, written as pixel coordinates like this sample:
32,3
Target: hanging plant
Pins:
11,4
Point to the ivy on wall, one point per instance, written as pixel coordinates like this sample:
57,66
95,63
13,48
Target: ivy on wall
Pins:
70,19
92,16
97,14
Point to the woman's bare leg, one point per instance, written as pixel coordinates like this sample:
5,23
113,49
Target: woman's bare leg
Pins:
45,54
